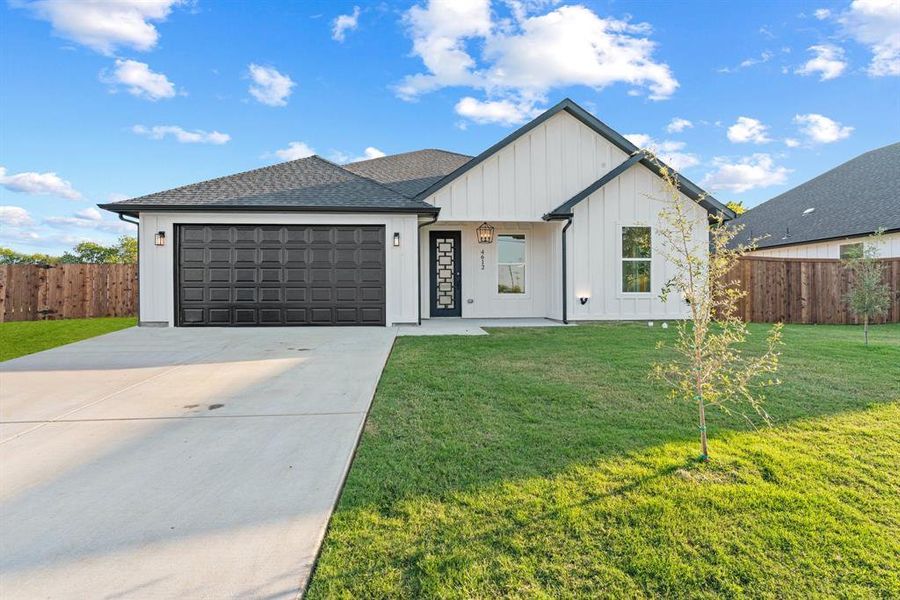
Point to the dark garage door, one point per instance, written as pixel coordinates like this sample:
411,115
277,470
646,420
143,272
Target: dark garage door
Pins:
280,275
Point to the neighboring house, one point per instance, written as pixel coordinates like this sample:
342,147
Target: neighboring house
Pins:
553,221
832,213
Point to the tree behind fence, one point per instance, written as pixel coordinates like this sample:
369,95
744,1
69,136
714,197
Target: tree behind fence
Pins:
800,290
70,291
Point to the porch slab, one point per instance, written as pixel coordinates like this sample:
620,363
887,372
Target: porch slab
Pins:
458,326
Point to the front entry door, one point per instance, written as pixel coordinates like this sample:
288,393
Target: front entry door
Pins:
446,274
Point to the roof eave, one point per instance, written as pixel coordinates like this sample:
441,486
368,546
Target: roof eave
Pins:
134,209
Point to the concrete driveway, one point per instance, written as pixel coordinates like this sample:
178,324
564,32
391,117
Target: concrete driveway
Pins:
191,463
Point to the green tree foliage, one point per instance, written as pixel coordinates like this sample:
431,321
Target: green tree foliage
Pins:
869,295
123,251
737,206
710,367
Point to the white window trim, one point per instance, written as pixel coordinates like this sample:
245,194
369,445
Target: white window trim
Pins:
620,259
497,263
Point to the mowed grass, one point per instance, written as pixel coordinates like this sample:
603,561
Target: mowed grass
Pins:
544,463
19,338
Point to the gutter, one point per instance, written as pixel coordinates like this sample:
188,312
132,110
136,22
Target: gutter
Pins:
419,267
565,316
137,224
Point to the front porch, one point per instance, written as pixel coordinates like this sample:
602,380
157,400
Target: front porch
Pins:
512,271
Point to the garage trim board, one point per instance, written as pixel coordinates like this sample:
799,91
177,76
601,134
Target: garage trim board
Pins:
279,275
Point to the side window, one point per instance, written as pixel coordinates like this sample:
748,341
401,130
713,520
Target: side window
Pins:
636,259
511,263
851,250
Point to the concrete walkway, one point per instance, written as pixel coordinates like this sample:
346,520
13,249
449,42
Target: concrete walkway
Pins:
458,326
178,463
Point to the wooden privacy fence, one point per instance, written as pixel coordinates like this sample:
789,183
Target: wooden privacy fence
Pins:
802,290
33,292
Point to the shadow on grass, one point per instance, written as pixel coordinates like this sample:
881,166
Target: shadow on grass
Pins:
457,413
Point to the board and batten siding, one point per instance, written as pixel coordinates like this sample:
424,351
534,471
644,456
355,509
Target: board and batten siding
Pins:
888,247
157,274
531,176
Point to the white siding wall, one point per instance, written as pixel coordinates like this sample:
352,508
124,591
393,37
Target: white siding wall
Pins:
633,198
480,298
889,247
157,263
531,176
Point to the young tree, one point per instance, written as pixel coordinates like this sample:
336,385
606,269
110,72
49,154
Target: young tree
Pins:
710,368
737,207
869,296
123,251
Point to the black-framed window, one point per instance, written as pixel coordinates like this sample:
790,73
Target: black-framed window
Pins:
636,260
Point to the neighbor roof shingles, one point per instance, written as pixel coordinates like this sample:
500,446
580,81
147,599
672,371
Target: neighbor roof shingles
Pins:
305,184
855,198
411,172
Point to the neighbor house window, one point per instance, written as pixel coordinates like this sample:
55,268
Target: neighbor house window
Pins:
511,263
636,260
851,250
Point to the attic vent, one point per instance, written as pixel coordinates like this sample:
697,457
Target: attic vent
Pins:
808,210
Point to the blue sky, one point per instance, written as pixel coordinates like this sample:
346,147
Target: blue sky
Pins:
104,99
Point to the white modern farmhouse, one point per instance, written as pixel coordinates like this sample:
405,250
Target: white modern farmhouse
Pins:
556,221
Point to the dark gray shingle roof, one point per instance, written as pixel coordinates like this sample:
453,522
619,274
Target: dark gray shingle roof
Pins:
854,198
411,172
311,183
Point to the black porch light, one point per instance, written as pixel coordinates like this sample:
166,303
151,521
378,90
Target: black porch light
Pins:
485,233
160,238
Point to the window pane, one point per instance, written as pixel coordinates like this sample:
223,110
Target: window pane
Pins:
511,248
635,242
511,279
851,250
636,276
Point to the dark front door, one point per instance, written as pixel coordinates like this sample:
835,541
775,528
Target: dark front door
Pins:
445,274
254,275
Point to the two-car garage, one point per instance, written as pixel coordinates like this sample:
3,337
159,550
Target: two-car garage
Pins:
279,275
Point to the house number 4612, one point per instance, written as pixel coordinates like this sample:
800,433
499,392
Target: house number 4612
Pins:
482,259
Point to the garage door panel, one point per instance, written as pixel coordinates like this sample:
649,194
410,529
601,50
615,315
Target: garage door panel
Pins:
246,275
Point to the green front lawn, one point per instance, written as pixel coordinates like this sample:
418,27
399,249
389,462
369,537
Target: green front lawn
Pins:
19,338
544,463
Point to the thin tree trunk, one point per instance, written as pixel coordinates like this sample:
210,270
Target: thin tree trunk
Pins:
704,451
866,328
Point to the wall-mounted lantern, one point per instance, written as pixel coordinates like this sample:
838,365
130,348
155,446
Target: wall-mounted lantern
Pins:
396,239
160,238
485,234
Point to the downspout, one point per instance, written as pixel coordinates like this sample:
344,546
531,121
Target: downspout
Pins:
138,302
565,295
419,269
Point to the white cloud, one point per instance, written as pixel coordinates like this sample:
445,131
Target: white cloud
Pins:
677,125
828,61
104,25
46,184
90,213
343,158
746,130
747,173
294,151
764,57
791,142
344,23
876,24
184,136
139,80
822,13
15,216
100,225
669,151
269,86
521,59
503,112
819,129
